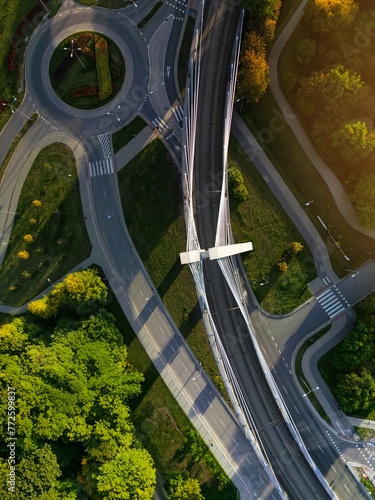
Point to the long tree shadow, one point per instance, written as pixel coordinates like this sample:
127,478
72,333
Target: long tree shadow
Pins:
191,320
170,277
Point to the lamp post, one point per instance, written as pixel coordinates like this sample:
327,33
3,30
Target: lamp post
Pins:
67,177
311,390
308,203
200,372
240,99
15,109
352,271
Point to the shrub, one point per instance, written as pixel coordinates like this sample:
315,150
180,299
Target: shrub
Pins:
37,203
283,266
28,238
102,68
23,255
32,221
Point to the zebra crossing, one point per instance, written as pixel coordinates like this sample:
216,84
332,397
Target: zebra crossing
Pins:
178,113
101,167
160,124
332,301
179,6
326,280
105,144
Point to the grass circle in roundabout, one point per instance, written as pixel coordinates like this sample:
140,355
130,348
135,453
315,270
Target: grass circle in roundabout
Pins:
87,70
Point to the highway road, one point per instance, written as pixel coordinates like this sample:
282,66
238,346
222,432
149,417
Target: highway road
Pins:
148,90
112,247
292,470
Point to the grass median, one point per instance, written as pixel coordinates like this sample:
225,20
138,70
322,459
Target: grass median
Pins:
56,234
262,220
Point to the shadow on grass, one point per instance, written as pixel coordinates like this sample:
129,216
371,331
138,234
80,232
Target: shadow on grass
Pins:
191,321
170,277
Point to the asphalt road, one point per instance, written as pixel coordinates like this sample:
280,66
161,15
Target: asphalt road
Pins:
291,468
112,246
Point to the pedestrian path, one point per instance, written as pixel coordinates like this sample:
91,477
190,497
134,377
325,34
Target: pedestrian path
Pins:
332,301
105,144
101,167
178,113
160,124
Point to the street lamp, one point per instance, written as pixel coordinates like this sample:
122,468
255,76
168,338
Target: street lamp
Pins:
240,99
109,216
67,177
200,371
113,113
73,51
308,203
311,390
352,271
15,109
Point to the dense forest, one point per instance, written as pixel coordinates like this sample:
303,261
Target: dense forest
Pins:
65,376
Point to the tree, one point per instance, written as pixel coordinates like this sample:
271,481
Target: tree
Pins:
28,238
130,475
356,348
184,489
355,392
253,74
13,336
363,199
353,141
261,8
44,307
283,266
335,91
23,254
305,51
82,291
36,477
32,221
326,16
37,203
236,185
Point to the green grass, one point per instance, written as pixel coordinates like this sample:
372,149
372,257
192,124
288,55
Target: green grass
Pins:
183,57
60,238
262,220
288,157
12,13
151,198
126,134
150,15
77,76
300,375
15,143
162,425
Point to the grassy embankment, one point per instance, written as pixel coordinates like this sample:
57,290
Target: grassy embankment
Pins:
12,13
60,241
294,166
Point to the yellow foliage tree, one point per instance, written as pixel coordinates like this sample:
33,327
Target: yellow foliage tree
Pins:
253,76
283,266
37,203
45,307
32,221
28,238
329,15
23,255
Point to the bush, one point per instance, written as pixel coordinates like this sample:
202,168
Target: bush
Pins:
28,238
102,68
236,184
37,203
23,255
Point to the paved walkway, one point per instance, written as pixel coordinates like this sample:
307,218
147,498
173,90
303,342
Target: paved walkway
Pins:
339,194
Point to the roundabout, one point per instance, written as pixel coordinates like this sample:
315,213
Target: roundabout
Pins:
87,70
